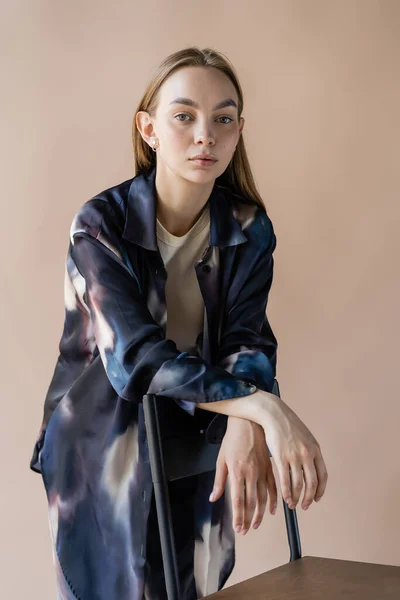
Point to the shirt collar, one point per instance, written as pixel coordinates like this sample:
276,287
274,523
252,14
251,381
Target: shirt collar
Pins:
141,215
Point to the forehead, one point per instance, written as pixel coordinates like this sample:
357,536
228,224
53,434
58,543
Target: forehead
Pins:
205,85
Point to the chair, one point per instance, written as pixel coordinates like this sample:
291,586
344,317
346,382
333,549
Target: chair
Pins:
308,578
174,458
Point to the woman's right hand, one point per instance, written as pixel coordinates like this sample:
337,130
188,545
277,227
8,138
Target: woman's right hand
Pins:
295,451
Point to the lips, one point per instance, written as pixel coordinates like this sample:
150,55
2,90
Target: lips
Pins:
204,158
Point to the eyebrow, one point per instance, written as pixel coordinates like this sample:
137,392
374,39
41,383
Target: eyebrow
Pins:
188,102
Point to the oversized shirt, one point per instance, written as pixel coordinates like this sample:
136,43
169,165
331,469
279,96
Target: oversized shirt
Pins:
92,449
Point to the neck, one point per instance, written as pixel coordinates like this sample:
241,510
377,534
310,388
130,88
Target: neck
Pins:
179,201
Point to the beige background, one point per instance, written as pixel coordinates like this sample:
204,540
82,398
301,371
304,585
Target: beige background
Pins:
322,97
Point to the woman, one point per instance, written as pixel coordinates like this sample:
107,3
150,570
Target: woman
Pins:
189,233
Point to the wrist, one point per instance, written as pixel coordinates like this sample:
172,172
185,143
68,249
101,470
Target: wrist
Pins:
263,407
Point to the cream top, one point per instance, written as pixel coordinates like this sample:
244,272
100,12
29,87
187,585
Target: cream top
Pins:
185,305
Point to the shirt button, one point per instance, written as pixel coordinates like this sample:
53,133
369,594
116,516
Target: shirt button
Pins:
206,268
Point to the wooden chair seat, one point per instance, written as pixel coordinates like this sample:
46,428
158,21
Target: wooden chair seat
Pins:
312,578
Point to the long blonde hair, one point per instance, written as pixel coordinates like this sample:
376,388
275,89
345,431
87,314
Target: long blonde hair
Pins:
237,176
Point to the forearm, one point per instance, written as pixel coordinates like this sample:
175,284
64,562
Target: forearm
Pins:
254,407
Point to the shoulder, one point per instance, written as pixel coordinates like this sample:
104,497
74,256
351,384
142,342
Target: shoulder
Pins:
256,224
102,214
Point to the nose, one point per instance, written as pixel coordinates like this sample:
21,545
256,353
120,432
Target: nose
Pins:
205,135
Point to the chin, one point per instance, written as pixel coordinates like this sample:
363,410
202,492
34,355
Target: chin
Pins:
205,175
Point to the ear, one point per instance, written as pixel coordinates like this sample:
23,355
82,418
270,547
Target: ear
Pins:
145,125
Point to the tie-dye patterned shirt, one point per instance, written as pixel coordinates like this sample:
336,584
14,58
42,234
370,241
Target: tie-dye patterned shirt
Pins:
92,448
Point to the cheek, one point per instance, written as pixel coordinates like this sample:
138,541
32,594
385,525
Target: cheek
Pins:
226,149
229,140
176,137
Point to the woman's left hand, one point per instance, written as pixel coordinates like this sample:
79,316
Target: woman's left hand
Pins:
244,456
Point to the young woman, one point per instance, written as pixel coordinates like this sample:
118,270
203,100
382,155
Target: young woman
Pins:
188,234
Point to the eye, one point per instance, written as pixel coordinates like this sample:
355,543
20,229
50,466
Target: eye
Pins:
181,115
230,120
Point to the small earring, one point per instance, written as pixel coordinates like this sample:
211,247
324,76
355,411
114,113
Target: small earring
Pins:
154,142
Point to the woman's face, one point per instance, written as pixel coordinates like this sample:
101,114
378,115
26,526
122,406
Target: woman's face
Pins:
188,122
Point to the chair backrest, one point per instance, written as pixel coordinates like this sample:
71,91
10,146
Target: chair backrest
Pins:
181,455
190,454
184,454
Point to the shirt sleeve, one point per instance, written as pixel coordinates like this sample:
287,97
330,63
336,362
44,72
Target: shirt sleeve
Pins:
137,357
248,347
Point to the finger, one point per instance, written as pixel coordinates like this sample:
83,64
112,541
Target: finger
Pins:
262,497
311,480
221,474
272,492
237,502
322,476
284,479
296,476
250,503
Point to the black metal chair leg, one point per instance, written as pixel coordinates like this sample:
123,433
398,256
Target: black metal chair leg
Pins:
292,532
292,527
161,497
